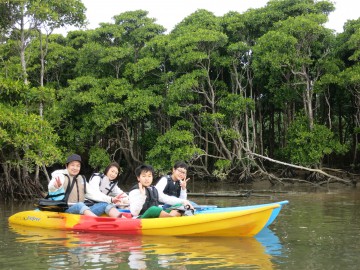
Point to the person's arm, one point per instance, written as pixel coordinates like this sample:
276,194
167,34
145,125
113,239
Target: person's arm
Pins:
96,195
121,195
164,198
161,184
183,194
183,187
57,180
95,182
95,185
116,191
137,200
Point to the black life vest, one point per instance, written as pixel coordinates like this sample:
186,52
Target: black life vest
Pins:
152,197
172,188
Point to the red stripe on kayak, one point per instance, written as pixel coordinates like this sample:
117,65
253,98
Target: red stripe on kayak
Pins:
108,224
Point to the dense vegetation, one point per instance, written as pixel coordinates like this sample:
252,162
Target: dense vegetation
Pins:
262,93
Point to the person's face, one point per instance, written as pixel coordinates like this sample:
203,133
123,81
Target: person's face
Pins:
74,168
145,178
179,173
112,173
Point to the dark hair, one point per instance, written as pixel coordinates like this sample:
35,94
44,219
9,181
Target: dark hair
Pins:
181,164
112,164
144,168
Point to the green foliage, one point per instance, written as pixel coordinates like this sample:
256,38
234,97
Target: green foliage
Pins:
138,28
98,158
194,47
211,83
27,134
259,21
353,44
180,94
275,49
176,144
235,105
55,14
60,61
13,92
88,60
308,147
139,107
221,168
200,19
229,135
137,71
209,119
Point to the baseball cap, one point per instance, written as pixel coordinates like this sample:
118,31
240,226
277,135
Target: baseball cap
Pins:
73,157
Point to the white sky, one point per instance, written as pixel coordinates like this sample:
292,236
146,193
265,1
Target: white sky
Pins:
168,13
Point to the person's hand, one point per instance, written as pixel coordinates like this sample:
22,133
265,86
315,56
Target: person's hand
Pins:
125,201
121,195
183,183
115,200
57,183
118,198
142,189
187,204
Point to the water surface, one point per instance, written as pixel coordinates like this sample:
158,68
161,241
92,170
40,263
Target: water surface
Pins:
316,230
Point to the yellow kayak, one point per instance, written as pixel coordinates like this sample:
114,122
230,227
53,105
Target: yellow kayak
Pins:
242,223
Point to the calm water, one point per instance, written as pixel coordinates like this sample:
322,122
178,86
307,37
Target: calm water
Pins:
316,230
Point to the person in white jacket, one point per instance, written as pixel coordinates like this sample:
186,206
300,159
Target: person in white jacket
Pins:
107,183
76,191
172,188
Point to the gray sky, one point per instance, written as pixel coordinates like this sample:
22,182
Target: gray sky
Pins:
168,13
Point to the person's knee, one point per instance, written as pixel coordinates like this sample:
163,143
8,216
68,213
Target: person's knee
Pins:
109,207
83,208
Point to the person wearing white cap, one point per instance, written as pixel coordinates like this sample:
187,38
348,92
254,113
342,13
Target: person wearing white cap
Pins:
76,191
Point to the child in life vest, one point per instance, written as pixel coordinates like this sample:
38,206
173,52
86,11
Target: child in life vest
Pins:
144,198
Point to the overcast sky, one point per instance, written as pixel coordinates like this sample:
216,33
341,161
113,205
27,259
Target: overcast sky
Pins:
168,13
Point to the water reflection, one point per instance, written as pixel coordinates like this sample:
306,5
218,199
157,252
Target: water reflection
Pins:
98,251
270,242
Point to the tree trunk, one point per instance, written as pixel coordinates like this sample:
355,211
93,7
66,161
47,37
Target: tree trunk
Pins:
22,48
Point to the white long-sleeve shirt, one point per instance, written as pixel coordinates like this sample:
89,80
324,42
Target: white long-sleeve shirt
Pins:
91,193
103,185
167,199
137,200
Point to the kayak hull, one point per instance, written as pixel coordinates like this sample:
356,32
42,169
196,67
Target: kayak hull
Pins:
274,214
241,223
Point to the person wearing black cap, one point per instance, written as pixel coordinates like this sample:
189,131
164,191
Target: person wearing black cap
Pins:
76,191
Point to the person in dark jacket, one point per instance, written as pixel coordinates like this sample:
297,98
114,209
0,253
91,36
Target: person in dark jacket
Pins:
172,187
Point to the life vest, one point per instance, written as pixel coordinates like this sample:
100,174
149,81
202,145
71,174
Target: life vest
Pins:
152,197
67,193
172,188
74,195
103,186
